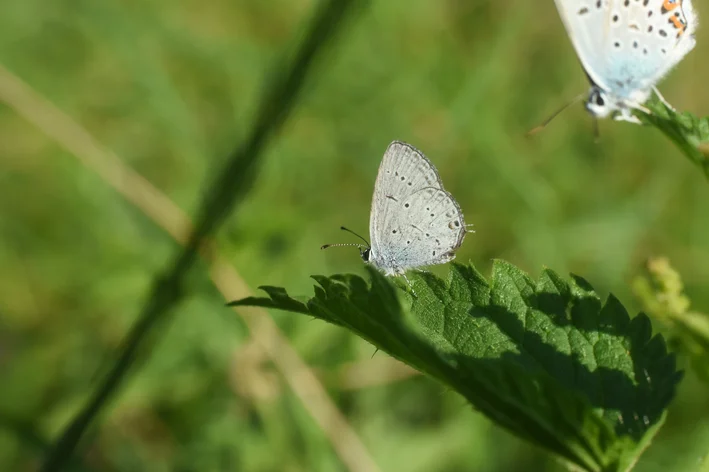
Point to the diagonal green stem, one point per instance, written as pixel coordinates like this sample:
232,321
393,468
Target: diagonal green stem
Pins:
31,438
231,185
689,133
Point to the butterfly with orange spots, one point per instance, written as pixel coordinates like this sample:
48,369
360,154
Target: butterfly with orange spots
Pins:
626,47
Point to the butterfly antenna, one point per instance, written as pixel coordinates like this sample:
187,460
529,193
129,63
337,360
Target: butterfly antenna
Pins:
325,246
360,237
558,112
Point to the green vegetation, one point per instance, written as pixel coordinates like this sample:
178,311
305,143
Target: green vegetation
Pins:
173,88
545,360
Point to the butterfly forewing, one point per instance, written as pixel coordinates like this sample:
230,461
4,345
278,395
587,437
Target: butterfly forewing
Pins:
586,24
403,171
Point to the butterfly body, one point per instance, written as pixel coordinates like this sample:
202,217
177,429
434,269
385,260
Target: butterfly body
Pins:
626,47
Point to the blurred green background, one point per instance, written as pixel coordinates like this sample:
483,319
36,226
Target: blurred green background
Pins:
171,87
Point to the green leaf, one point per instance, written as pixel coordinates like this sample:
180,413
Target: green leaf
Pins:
689,133
547,359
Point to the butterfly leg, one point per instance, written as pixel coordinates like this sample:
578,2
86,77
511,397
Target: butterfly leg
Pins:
409,282
662,99
626,114
628,117
638,106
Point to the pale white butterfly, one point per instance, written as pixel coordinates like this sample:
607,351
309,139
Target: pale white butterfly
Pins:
626,47
414,222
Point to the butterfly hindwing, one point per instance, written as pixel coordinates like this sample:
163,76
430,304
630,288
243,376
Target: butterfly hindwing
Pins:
646,41
427,231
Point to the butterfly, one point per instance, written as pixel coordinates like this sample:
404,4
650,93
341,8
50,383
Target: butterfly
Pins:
626,47
413,222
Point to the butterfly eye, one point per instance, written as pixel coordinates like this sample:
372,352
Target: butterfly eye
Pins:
598,100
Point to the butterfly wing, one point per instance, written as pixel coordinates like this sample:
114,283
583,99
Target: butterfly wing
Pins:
586,23
627,46
427,229
409,211
404,169
648,38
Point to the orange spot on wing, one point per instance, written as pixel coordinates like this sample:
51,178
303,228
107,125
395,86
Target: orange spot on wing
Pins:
670,5
678,24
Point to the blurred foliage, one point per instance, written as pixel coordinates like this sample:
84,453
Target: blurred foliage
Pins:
223,196
662,294
546,360
170,87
